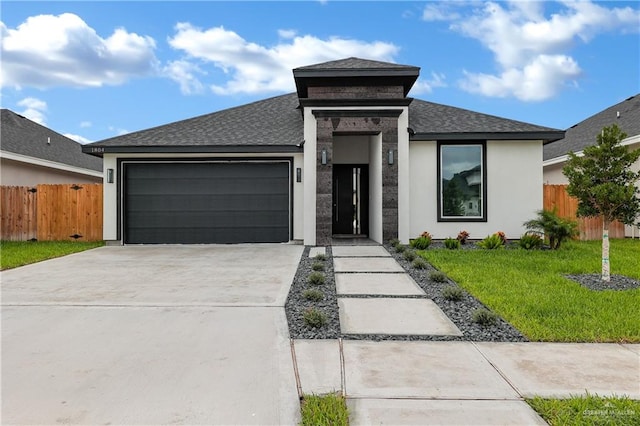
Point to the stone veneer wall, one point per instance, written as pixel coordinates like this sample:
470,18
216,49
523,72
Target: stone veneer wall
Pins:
371,122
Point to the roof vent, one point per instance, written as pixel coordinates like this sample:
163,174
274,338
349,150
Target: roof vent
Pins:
48,140
617,114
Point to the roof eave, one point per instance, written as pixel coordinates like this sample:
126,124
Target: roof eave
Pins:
99,151
545,136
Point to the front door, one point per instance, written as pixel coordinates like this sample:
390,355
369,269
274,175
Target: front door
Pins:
350,199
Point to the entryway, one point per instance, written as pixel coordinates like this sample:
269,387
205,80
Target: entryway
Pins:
350,215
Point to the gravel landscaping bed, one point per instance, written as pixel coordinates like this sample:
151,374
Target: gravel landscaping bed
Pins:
459,312
594,282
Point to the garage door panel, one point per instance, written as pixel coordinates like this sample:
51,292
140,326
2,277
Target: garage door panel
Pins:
187,202
195,203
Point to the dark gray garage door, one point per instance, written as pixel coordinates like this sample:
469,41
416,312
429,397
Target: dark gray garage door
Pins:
195,203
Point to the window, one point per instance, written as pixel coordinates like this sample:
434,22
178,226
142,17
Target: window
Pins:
461,181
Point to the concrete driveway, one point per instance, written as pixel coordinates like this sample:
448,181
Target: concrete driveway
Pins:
150,335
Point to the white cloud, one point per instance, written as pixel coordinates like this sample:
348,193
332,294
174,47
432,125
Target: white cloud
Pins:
287,33
530,49
85,124
184,73
439,12
34,109
47,51
118,131
253,68
78,138
426,85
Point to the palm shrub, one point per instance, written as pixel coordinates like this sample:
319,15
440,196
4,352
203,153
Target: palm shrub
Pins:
554,227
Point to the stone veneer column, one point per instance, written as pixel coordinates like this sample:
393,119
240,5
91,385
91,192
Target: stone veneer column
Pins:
357,122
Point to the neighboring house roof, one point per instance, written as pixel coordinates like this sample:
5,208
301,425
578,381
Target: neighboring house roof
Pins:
356,64
276,124
625,114
30,140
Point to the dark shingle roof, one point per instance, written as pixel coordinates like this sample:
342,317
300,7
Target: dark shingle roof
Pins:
270,122
277,123
584,133
429,120
355,64
20,135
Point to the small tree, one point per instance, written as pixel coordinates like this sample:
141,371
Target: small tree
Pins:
604,184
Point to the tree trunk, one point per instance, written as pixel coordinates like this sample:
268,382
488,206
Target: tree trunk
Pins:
606,271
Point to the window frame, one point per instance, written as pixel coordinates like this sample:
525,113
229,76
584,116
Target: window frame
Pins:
483,164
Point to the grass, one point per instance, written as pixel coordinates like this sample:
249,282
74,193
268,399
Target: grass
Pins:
588,410
528,289
20,253
320,410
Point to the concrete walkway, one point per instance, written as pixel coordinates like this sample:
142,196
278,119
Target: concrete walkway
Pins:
454,383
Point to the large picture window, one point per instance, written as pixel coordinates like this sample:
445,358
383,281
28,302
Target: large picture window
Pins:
461,182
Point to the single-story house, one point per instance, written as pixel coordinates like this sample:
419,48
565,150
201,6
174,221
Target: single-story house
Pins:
625,114
347,154
32,154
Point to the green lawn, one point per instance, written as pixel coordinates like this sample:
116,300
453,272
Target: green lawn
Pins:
321,410
528,289
19,253
588,410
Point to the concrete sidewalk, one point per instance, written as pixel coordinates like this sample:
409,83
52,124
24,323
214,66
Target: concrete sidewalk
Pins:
399,382
430,382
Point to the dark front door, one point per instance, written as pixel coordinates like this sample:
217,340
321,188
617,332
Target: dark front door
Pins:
350,199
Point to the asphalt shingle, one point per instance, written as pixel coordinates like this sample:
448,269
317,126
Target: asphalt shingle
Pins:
19,135
584,134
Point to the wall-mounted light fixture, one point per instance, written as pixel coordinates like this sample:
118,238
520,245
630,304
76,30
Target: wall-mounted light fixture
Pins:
109,175
323,157
390,157
298,174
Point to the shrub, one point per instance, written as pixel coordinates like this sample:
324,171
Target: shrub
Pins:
422,242
313,317
484,317
453,293
316,278
555,228
503,237
420,263
462,237
394,242
491,242
317,266
438,276
400,248
321,257
530,241
313,295
409,255
452,243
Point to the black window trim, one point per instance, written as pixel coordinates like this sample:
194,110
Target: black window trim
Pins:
483,144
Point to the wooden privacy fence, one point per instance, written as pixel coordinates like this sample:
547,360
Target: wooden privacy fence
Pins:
51,212
567,206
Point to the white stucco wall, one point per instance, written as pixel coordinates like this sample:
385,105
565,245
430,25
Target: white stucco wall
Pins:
111,213
18,173
514,190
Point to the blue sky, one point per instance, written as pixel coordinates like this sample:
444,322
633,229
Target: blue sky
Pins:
93,70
